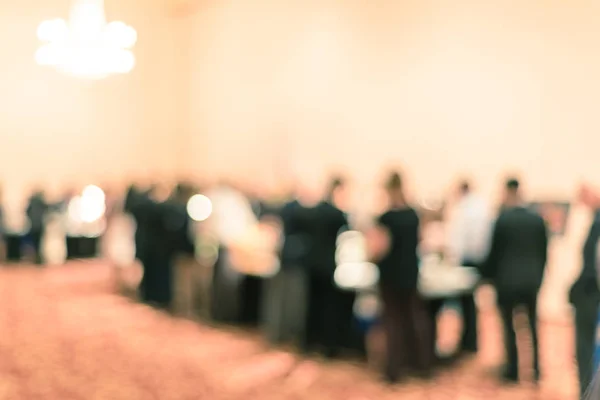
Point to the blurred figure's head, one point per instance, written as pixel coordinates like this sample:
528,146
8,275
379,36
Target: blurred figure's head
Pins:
336,192
38,193
588,196
512,192
464,188
182,192
395,190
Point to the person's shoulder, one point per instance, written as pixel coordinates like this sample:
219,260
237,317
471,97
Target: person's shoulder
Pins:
289,205
332,209
534,215
504,215
386,217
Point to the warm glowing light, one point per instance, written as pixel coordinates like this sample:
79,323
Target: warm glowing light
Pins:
356,276
54,30
87,46
89,207
199,207
120,35
93,192
92,204
353,271
74,208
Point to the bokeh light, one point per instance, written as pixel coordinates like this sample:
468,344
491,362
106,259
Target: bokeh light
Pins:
356,276
92,204
353,271
54,30
199,207
119,35
74,208
89,206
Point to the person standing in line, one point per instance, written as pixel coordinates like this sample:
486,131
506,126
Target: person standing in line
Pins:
393,245
2,229
329,309
160,221
36,213
285,295
469,244
515,266
585,295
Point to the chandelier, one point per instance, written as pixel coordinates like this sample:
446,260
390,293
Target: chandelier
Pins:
86,46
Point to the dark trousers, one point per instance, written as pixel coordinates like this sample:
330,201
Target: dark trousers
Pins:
13,247
508,303
329,317
586,317
251,296
468,342
36,241
406,324
156,287
434,307
72,248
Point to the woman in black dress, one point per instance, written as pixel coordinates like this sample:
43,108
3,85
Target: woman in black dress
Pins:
393,246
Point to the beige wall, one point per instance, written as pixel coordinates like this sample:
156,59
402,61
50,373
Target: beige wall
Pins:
251,88
60,130
441,87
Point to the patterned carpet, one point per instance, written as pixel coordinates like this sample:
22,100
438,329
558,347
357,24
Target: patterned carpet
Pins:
63,335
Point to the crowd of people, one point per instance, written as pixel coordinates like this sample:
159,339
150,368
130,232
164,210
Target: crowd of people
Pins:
302,303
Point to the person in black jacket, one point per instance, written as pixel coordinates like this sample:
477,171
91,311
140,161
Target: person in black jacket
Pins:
329,308
159,225
36,213
515,266
585,295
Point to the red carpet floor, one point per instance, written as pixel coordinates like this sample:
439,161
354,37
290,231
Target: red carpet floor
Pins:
64,336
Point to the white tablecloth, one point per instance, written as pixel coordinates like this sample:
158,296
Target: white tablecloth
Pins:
440,280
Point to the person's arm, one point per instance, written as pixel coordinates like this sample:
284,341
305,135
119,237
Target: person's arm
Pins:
545,242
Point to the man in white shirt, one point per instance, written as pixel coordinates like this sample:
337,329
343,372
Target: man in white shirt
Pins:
469,244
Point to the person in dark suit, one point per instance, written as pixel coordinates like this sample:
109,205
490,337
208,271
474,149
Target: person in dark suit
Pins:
159,224
515,266
133,199
393,246
329,309
585,295
36,213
